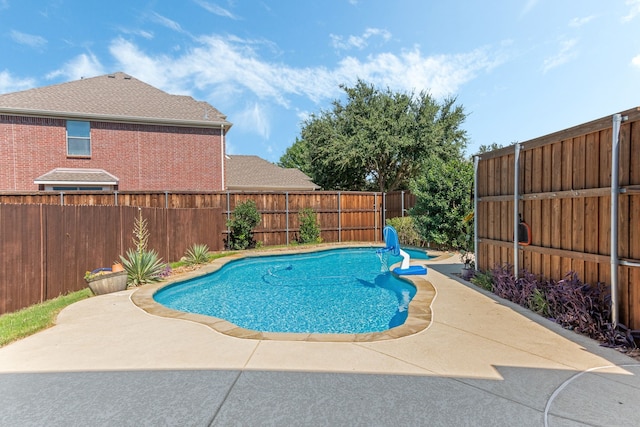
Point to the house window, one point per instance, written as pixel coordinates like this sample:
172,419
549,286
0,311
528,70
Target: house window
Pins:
78,138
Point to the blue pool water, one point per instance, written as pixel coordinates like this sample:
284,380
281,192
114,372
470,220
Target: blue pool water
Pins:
334,291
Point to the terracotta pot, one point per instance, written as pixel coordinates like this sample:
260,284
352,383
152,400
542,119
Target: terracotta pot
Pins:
106,283
117,267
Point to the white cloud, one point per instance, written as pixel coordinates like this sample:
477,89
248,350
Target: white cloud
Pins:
137,32
8,83
636,61
254,119
528,7
565,55
359,42
166,22
579,22
224,67
155,71
84,65
634,10
215,9
28,39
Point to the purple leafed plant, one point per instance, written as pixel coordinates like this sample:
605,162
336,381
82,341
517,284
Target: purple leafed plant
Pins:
584,308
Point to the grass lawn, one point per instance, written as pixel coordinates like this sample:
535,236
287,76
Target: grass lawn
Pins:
37,317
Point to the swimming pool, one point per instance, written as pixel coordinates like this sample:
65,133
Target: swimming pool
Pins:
337,291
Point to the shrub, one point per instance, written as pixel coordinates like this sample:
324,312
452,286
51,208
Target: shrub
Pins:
407,231
483,280
581,307
309,228
197,254
245,218
143,267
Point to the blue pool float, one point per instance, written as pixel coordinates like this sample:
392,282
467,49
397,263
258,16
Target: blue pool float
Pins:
392,244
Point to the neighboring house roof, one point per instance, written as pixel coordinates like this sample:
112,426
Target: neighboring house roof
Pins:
113,97
63,176
252,173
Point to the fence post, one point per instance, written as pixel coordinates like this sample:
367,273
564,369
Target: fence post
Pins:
339,220
615,184
115,197
62,198
516,218
375,217
286,198
166,200
43,273
402,205
384,208
476,161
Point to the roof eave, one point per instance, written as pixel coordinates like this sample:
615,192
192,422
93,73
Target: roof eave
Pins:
270,188
75,182
116,119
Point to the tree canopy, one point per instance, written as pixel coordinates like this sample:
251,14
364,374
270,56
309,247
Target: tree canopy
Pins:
443,200
377,139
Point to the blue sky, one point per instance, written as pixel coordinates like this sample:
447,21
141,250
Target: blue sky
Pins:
522,69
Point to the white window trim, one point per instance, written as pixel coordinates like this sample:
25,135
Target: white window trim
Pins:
88,139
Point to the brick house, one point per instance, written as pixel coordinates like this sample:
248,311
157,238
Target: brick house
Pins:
111,132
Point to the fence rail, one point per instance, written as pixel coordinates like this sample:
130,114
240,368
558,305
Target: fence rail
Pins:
49,240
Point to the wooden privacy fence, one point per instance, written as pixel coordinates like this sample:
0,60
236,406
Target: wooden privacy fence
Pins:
46,249
561,185
49,240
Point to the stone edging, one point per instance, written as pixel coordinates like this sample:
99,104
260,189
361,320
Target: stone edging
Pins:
418,317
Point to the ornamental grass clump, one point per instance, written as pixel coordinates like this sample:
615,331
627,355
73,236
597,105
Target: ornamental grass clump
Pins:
197,254
142,265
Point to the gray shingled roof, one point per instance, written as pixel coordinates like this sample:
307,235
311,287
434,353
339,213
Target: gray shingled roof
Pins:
116,96
78,176
252,173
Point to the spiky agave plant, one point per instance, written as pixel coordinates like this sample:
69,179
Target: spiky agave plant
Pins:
142,267
197,254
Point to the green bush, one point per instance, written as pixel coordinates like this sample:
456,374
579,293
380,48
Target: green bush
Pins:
197,254
309,228
245,218
483,280
407,231
443,201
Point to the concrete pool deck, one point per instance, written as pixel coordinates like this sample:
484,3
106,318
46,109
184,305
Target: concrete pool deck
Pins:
481,361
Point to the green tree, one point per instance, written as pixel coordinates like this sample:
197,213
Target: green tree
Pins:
443,200
377,139
297,156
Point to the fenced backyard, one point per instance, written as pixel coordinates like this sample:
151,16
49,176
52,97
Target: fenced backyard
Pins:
562,186
49,240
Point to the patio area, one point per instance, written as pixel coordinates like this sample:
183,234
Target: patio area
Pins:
481,361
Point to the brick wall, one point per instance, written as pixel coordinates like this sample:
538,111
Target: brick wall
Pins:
143,157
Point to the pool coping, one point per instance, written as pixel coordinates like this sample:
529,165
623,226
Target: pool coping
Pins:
418,316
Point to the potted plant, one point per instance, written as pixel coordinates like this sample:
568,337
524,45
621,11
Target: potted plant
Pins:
103,281
468,264
466,248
